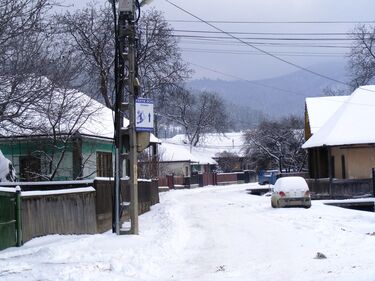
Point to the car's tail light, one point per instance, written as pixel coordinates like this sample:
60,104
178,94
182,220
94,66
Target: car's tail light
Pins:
282,193
307,193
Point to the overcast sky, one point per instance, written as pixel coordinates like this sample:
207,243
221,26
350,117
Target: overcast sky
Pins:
234,58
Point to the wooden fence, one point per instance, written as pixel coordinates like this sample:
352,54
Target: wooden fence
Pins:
71,212
205,179
77,207
340,189
148,195
10,218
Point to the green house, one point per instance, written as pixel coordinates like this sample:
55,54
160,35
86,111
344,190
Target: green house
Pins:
68,137
83,156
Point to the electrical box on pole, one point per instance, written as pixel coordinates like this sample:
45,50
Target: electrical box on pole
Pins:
126,6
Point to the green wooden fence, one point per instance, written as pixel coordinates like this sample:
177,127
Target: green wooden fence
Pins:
10,218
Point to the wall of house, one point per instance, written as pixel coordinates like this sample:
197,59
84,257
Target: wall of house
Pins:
176,168
16,149
90,147
358,162
318,162
79,157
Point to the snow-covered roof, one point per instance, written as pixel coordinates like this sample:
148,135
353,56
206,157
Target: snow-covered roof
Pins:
352,123
320,109
98,122
212,144
178,149
183,152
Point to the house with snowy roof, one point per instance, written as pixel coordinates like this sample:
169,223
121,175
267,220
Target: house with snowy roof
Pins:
340,135
69,136
179,158
183,160
318,110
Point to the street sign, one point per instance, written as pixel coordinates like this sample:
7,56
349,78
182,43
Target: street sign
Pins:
144,110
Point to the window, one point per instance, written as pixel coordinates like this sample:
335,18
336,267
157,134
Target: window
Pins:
104,164
30,168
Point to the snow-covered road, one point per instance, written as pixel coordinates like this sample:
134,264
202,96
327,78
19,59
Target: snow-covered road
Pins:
212,233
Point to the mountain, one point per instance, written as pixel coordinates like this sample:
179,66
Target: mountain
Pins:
271,101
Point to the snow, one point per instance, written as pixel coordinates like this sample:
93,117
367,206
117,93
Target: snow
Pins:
56,192
8,189
291,183
100,123
320,109
214,143
184,152
178,149
7,171
41,183
351,124
211,233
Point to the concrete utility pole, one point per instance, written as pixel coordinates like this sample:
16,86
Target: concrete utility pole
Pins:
125,59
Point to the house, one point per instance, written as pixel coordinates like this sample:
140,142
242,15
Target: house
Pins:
79,145
340,134
183,160
216,151
318,110
74,148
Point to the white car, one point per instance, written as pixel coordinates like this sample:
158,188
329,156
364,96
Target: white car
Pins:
290,192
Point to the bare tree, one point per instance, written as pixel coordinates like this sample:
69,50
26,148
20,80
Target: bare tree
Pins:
55,122
21,58
158,55
277,144
362,56
92,35
197,114
334,91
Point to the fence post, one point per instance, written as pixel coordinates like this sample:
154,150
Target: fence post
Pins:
18,216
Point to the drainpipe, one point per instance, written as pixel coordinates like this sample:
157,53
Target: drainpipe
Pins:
18,216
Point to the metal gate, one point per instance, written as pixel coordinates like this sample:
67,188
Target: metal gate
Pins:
10,218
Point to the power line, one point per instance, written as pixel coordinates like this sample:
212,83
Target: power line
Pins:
215,42
264,38
257,48
268,33
238,52
247,80
328,98
273,22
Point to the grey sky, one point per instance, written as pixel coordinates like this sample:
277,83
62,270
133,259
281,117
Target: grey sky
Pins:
252,65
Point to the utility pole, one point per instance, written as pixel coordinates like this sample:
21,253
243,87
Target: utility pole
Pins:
125,60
